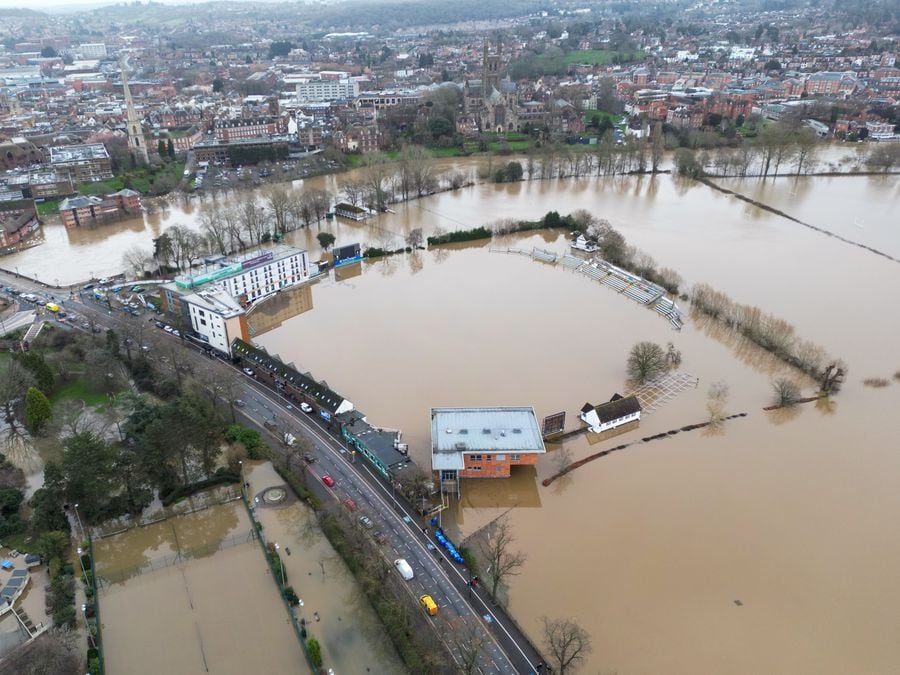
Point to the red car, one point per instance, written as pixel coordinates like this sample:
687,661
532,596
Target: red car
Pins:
350,504
328,480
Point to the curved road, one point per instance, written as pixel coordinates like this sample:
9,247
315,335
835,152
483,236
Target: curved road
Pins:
463,612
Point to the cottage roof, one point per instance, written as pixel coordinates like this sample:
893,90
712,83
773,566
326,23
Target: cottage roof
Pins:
617,408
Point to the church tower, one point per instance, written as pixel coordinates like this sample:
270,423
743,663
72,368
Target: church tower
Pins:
490,70
136,142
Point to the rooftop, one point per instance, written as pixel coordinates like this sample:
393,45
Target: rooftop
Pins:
458,430
215,301
78,153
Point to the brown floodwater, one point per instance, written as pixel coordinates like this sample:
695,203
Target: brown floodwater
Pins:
348,630
766,547
210,611
69,256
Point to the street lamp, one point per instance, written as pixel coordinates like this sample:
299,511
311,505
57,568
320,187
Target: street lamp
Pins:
280,564
241,464
78,520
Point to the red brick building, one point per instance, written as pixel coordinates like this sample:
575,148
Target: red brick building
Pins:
482,443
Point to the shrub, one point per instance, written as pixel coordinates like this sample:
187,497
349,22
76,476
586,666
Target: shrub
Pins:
474,234
315,652
64,617
291,596
787,392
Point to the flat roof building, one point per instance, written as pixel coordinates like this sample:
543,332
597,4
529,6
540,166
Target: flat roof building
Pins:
84,163
482,442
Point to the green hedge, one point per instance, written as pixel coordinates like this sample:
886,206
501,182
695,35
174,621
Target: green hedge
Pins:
461,235
222,477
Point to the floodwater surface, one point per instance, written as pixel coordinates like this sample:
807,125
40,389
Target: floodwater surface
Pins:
765,547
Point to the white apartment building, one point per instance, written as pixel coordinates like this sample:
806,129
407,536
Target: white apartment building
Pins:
92,50
326,90
263,274
216,318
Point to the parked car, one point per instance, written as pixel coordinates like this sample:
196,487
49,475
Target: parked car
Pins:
404,569
159,324
248,371
350,504
366,522
428,604
176,332
168,329
328,480
308,458
306,407
239,403
379,536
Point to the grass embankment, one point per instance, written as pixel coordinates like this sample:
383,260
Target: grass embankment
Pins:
600,57
156,179
48,207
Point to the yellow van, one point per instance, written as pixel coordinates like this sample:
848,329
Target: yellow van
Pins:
52,306
428,605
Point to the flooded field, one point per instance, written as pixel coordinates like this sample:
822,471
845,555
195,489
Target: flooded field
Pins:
215,609
69,256
339,616
767,547
762,548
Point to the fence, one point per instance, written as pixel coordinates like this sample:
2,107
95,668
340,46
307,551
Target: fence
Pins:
115,576
96,596
281,587
198,502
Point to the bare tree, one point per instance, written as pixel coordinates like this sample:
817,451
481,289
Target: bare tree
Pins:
833,377
137,258
14,382
563,459
214,227
567,642
253,220
415,239
787,392
354,191
277,200
502,563
468,642
646,360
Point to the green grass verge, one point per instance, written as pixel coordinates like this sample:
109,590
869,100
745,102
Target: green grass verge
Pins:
600,57
48,207
101,187
79,391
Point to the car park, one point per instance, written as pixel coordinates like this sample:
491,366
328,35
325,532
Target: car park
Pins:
328,480
306,407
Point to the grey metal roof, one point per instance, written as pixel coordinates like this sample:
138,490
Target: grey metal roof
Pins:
457,430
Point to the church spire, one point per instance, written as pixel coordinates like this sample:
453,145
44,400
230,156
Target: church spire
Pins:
136,142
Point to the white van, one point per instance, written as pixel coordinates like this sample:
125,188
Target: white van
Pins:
404,568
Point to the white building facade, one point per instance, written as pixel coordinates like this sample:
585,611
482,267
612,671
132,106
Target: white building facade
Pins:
326,90
216,318
262,275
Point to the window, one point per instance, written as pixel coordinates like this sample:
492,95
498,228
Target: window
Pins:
499,469
514,458
474,458
501,458
473,468
488,457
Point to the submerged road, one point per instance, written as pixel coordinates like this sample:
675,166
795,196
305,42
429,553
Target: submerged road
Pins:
466,615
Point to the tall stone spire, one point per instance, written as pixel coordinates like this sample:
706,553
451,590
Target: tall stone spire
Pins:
137,144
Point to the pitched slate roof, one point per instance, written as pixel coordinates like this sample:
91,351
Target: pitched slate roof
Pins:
615,409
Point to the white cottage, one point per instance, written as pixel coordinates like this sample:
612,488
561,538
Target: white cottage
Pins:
617,412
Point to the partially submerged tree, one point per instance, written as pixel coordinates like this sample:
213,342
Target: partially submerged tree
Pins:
326,240
646,360
502,562
567,643
787,392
